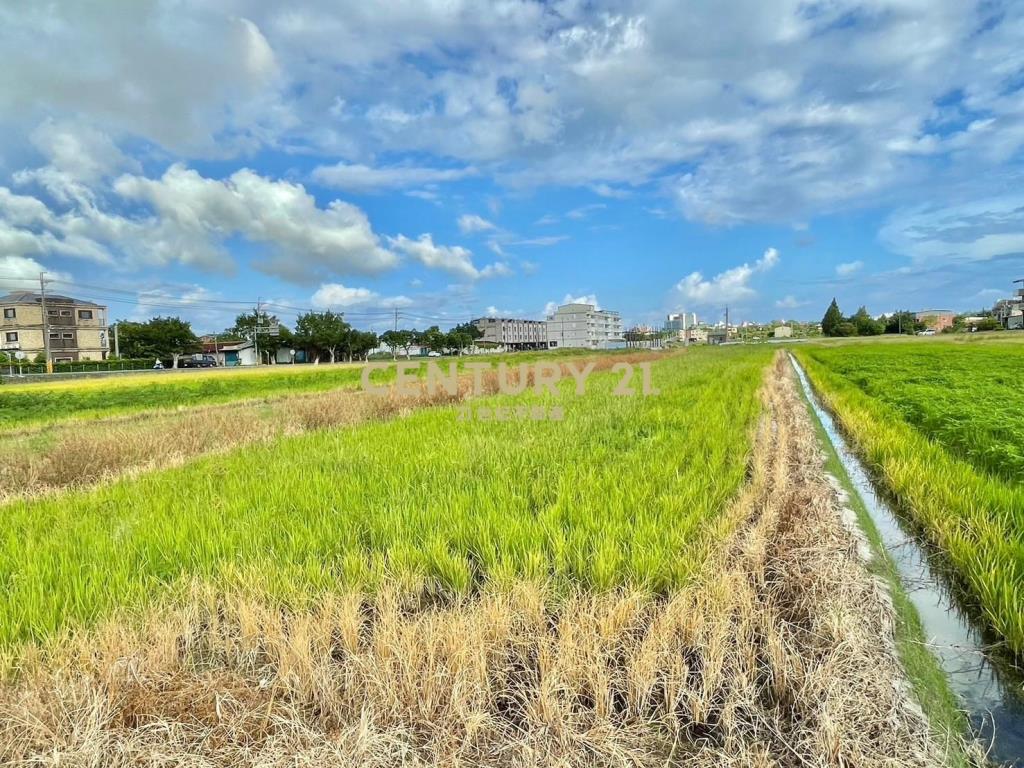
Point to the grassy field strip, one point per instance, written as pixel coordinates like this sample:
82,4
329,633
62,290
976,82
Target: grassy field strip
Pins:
975,518
71,456
66,455
26,405
615,494
48,403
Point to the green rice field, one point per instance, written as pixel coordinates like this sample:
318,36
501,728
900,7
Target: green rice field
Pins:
621,491
941,425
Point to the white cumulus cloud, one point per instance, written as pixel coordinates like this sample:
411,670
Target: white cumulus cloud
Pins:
732,285
790,302
19,273
338,296
304,240
453,259
470,223
587,298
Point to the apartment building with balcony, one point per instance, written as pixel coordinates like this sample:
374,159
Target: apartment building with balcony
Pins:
584,326
1009,313
512,333
77,329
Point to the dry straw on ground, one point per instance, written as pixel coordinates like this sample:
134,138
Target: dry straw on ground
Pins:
781,654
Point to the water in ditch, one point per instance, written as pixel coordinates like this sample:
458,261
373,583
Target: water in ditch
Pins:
991,691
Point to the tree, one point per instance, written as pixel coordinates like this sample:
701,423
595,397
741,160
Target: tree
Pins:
245,328
463,336
832,319
866,325
357,344
321,332
902,321
433,339
397,340
159,337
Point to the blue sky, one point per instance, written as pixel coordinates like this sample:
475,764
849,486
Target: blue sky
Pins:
453,159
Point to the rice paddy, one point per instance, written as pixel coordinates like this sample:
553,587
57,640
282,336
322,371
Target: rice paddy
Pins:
39,403
24,405
940,424
283,567
618,493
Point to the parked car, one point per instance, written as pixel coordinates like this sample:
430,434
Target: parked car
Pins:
201,361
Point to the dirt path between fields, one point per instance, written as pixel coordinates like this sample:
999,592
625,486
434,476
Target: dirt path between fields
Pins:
781,654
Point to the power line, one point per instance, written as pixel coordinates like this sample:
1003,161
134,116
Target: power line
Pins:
161,300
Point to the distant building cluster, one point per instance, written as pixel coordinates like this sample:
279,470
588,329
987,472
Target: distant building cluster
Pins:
73,330
571,326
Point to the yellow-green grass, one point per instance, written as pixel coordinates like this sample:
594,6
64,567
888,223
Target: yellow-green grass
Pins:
50,402
617,493
23,405
972,515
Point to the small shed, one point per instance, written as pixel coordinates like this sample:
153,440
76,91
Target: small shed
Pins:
231,353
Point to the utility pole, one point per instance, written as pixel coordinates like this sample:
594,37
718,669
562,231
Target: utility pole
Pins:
117,343
686,334
396,319
46,322
255,331
727,323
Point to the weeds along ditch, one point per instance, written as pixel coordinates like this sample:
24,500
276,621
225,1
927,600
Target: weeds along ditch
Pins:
623,491
934,422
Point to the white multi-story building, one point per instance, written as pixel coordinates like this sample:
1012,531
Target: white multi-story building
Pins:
680,321
583,326
513,334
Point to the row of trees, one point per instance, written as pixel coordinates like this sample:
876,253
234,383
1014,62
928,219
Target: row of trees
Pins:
860,323
323,335
457,340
